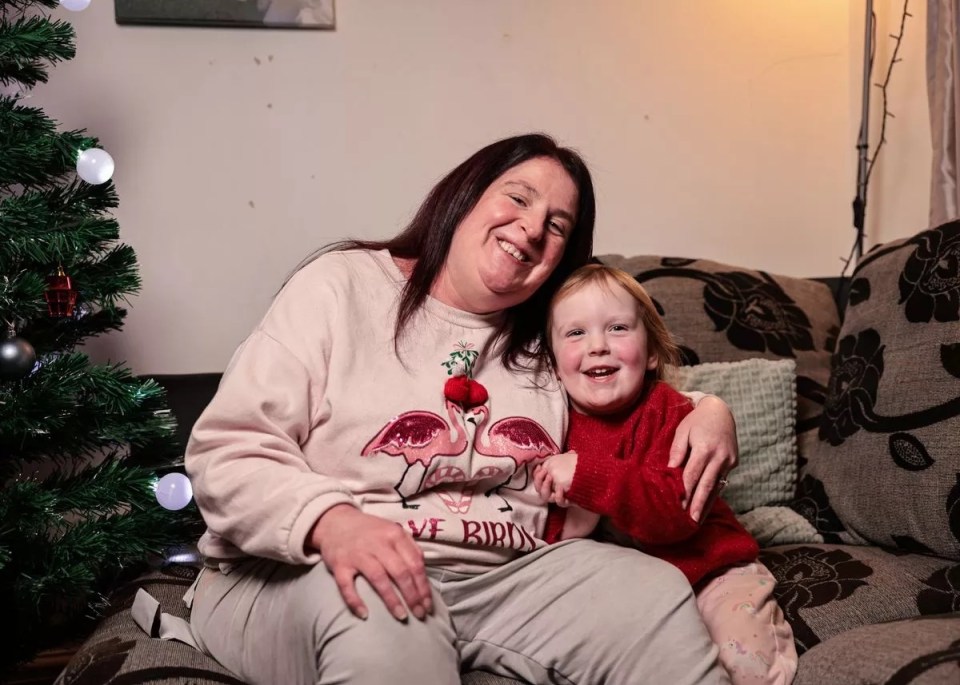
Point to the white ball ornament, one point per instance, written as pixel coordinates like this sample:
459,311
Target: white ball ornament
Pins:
75,5
95,166
174,491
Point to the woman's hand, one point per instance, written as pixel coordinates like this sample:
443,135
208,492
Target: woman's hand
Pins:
353,543
705,444
554,476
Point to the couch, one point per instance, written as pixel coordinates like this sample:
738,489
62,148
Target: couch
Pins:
865,545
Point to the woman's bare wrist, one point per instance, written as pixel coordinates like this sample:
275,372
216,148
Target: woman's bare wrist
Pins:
327,518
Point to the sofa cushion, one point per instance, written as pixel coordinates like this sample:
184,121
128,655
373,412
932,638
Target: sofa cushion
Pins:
919,651
119,648
723,313
772,526
886,466
825,590
762,395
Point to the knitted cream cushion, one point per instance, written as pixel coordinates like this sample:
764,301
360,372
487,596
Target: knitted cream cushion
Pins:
778,526
762,395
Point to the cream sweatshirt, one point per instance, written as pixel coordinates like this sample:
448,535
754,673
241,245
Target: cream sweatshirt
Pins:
316,409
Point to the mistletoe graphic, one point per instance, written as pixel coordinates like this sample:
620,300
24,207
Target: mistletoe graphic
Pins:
461,360
460,387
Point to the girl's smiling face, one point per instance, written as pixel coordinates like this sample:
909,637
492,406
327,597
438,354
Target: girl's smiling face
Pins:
600,346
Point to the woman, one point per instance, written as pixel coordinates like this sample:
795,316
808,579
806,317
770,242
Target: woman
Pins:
403,382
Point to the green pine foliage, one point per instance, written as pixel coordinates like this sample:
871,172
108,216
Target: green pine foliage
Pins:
77,511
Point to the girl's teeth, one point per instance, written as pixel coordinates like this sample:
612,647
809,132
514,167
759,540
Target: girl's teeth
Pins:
511,250
596,373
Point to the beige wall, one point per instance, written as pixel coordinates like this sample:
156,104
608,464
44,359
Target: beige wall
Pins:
899,192
715,128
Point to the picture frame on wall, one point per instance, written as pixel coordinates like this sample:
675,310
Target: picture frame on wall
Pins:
292,14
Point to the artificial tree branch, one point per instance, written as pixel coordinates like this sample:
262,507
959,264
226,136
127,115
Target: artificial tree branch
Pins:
867,162
884,88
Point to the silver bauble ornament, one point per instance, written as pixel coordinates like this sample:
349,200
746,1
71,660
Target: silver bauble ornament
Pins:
17,358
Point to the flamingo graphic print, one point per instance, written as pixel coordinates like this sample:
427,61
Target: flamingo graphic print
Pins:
517,438
420,437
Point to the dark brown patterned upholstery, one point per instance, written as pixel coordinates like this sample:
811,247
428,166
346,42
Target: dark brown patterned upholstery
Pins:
886,467
723,313
826,590
118,652
920,651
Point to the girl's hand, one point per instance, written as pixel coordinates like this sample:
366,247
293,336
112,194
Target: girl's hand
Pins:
554,476
705,444
543,483
353,543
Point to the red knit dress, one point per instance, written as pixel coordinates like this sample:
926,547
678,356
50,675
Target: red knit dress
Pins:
622,474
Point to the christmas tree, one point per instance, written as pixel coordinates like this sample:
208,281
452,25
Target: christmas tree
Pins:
76,509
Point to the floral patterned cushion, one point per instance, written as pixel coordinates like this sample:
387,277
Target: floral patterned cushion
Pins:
723,313
118,651
826,590
886,466
919,651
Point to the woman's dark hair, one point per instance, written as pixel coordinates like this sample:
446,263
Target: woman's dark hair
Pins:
427,238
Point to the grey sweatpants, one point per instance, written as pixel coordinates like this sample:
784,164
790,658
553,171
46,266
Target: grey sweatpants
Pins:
577,612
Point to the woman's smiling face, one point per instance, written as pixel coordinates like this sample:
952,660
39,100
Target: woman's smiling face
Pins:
512,240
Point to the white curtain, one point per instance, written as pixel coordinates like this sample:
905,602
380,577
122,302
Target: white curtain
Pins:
943,91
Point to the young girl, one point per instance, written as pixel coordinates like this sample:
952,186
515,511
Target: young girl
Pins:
611,349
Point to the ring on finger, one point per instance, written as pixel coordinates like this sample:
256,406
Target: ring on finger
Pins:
722,483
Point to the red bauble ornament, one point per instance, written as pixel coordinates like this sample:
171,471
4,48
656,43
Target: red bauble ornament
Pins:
60,296
465,391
